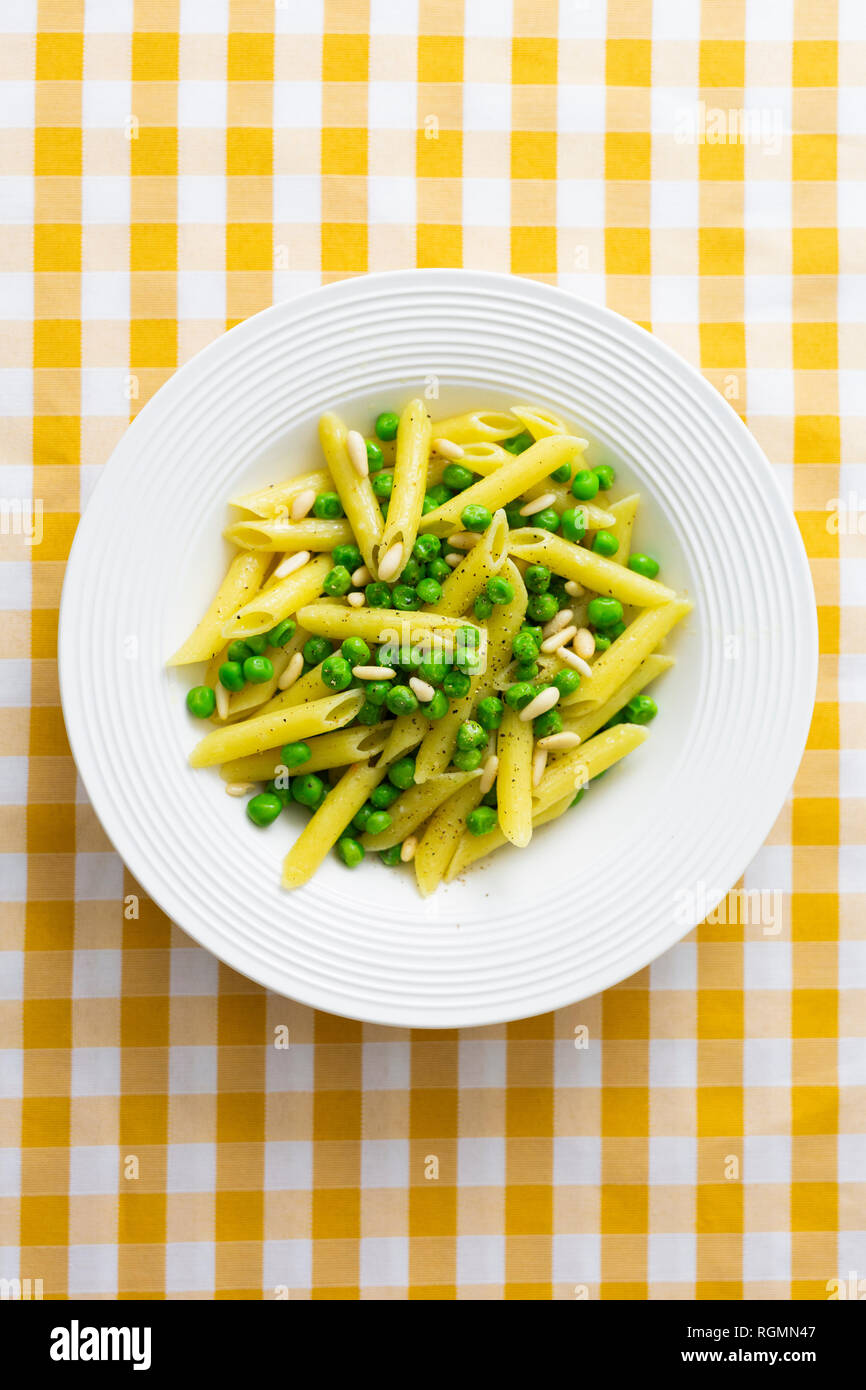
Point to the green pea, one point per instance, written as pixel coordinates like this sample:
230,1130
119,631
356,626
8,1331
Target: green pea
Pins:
316,649
533,631
362,816
264,808
641,709
308,789
201,701
383,796
386,425
411,573
481,820
238,651
375,456
471,735
327,506
402,774
283,793
566,681
377,822
605,543
584,485
232,675
376,692
439,570
350,851
282,633
456,684
489,712
482,607
467,759
518,442
428,505
336,672
390,856
337,581
577,798
386,655
401,700
440,494
378,594
475,517
258,643
604,612
518,696
499,590
456,477
404,597
429,590
383,485
548,519
293,754
562,474
542,607
426,548
526,671
258,669
437,707
606,476
616,631
601,643
547,724
643,564
490,798
368,713
524,647
537,579
434,669
347,555
356,651
574,524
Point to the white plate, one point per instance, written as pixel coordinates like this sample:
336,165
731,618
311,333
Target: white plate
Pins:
650,848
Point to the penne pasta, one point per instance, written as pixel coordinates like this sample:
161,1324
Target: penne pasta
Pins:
282,726
407,494
356,493
477,426
469,577
338,749
380,624
585,725
325,827
514,782
441,836
279,600
309,534
624,513
507,482
594,571
244,577
259,696
276,500
471,848
415,806
575,769
641,637
539,423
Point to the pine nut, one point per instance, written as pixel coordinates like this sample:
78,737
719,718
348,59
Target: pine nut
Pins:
562,619
573,589
374,673
446,449
361,576
357,599
558,639
538,504
303,503
544,701
357,451
424,691
392,562
584,643
557,743
222,700
238,788
576,662
539,763
453,558
408,848
488,774
291,563
463,540
292,671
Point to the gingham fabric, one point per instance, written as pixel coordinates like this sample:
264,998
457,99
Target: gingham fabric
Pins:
168,167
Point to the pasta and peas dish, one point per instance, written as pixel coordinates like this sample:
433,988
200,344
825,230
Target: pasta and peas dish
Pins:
434,643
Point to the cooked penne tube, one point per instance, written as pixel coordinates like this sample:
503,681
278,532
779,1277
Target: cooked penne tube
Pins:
325,827
339,749
594,571
438,742
379,624
574,770
282,726
623,656
309,534
276,500
477,426
356,493
415,806
471,848
410,480
469,577
244,577
484,457
406,733
441,836
507,482
584,725
279,600
540,423
307,687
514,781
624,513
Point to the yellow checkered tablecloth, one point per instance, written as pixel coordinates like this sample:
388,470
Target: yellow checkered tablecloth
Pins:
168,167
